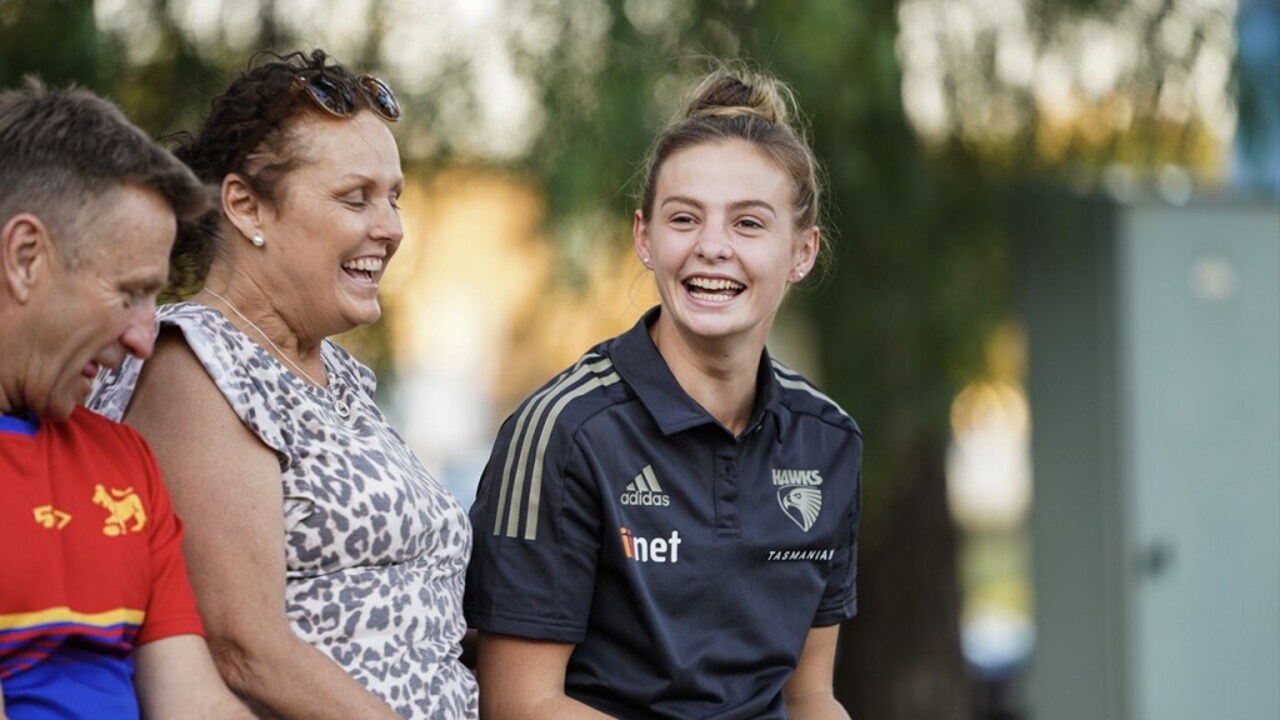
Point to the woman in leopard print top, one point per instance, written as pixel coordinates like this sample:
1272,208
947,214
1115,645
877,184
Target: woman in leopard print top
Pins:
327,562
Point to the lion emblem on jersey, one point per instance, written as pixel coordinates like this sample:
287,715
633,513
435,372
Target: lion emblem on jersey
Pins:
801,504
123,506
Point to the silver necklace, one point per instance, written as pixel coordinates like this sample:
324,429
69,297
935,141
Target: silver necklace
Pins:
339,405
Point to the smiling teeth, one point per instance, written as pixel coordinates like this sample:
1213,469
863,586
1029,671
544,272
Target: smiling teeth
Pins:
365,264
715,284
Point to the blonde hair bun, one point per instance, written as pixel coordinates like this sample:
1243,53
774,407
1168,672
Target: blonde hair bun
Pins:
729,93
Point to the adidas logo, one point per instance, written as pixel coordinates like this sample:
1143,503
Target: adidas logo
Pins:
645,490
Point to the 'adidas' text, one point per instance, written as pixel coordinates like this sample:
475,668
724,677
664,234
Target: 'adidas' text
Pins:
645,490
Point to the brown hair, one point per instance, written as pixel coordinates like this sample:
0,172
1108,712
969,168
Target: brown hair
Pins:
735,104
250,131
62,150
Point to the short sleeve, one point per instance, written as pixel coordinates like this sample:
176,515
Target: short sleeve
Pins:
534,559
239,369
171,606
840,600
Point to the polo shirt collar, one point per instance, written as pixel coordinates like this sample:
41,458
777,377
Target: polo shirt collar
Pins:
638,361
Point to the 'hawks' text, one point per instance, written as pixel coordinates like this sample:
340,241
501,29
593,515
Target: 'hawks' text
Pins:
788,478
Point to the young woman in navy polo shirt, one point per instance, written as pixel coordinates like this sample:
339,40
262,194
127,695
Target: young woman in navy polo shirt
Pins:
668,528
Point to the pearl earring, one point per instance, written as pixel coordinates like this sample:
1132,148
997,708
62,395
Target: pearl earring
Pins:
647,262
258,240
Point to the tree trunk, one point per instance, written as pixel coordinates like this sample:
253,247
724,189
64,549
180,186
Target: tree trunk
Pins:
900,657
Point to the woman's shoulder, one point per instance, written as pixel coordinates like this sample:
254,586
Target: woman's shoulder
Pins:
573,396
196,320
802,396
198,343
200,325
197,326
226,353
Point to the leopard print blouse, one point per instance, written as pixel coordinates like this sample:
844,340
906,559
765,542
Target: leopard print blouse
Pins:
376,549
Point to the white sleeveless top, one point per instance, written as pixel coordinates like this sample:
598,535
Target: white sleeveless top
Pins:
376,549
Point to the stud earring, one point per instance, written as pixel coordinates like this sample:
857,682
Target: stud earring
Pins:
647,262
258,240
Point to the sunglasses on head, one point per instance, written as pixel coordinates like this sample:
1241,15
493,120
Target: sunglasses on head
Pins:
337,97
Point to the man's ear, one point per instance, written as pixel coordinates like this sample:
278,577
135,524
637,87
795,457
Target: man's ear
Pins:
26,251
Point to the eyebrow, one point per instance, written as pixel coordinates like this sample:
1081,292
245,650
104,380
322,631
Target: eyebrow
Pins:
144,285
735,205
367,179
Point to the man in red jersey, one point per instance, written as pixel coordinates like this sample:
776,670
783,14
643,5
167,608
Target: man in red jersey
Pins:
97,618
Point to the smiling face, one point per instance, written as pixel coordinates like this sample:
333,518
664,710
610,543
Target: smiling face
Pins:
102,308
722,243
336,223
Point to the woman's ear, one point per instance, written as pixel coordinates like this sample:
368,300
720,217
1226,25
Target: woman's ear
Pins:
640,237
806,254
241,206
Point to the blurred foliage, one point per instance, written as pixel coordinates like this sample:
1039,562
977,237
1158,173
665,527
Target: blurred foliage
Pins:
921,228
56,40
1258,96
921,272
919,216
167,93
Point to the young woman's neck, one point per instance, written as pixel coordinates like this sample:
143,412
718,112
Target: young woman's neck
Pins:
719,375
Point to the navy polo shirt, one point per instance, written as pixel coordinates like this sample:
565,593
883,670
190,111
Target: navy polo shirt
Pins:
686,565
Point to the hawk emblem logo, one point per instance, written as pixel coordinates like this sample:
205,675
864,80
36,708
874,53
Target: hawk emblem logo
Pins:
802,504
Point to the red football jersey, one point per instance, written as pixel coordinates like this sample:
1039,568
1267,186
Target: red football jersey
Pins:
91,563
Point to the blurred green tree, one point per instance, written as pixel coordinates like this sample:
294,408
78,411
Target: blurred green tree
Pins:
56,40
920,221
901,320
